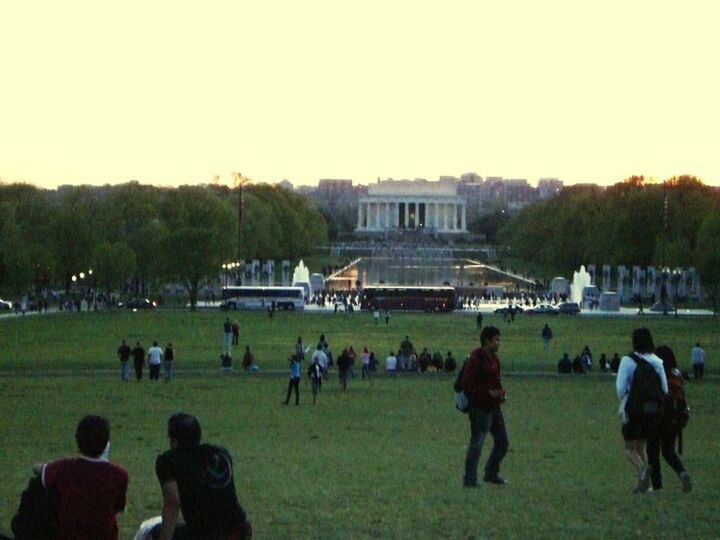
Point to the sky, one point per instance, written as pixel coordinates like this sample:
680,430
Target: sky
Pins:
171,93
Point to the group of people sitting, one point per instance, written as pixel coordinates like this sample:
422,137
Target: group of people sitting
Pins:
583,363
79,497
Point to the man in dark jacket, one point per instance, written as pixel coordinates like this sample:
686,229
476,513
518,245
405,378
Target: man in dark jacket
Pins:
481,383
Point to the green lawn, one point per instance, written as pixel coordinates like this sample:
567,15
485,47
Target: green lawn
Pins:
383,460
89,340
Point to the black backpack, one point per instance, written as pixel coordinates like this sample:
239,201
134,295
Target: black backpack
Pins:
37,516
646,392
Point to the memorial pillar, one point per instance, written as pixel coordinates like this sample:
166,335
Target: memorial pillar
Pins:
407,214
359,222
455,216
436,222
464,217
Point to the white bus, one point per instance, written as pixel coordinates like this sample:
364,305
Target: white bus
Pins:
288,298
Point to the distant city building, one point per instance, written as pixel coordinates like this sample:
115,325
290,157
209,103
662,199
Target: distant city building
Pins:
549,187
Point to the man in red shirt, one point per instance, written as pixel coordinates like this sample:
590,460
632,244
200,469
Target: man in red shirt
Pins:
91,489
481,383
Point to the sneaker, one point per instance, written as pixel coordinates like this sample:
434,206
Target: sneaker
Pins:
685,482
495,479
645,474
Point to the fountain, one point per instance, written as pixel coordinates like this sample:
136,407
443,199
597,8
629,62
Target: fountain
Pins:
581,279
301,277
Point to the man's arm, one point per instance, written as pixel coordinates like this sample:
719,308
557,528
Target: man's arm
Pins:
170,510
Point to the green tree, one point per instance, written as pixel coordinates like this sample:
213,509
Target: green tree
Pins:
707,255
200,237
113,264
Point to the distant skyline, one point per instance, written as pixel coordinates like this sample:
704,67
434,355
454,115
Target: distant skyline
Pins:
167,94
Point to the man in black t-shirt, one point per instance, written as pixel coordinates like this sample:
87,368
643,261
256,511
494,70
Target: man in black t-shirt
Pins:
124,354
198,479
138,360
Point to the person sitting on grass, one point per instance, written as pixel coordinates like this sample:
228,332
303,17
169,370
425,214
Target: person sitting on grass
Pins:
197,479
437,361
450,362
565,366
91,489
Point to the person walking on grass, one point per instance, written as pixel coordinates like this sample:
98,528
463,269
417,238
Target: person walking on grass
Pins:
294,383
227,334
674,418
168,361
547,335
481,383
315,374
138,354
640,418
365,362
343,368
155,355
698,361
123,353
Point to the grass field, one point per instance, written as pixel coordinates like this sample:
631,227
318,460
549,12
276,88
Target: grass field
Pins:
89,340
384,459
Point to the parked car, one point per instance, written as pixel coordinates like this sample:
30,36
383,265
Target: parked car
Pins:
5,305
506,310
543,309
570,308
138,303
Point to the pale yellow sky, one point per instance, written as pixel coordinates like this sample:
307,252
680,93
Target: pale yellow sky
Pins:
173,92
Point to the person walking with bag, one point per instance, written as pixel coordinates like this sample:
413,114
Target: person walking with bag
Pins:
674,418
481,383
641,386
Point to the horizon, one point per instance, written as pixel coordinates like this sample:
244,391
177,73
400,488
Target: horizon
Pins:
171,95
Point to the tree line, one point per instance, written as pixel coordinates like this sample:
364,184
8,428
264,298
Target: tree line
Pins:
144,234
672,224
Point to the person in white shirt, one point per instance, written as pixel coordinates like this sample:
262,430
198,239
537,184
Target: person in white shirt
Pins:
320,358
391,363
635,431
698,361
155,355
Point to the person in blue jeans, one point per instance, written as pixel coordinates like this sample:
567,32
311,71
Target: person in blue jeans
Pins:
482,385
294,382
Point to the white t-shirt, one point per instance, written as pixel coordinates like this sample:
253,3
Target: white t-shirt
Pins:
319,357
154,355
391,363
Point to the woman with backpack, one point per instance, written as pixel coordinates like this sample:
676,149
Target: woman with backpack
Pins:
674,418
641,386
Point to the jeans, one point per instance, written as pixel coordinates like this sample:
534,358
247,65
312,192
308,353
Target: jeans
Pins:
125,370
663,439
154,372
698,370
294,383
365,371
168,370
482,422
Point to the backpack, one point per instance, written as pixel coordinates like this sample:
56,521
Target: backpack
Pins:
646,392
677,410
462,403
37,516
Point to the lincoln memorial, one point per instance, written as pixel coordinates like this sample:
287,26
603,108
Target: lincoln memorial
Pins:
403,204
